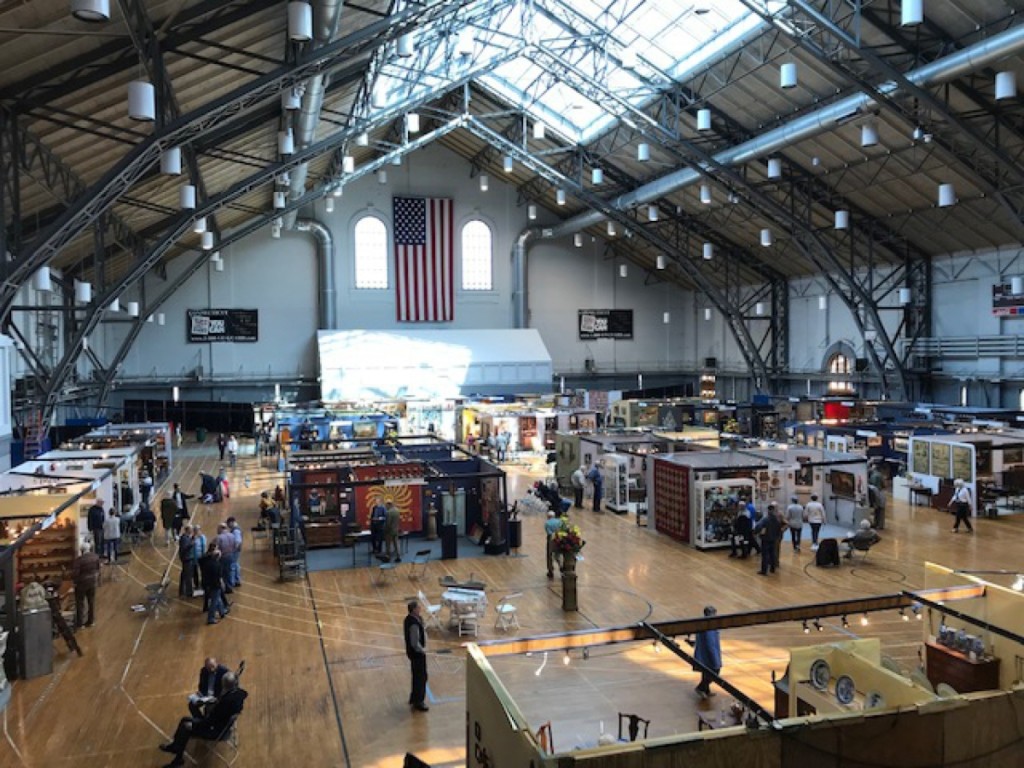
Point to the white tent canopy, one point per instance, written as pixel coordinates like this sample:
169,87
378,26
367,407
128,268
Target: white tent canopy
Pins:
370,364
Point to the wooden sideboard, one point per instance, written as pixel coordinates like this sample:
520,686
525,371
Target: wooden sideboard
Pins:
944,665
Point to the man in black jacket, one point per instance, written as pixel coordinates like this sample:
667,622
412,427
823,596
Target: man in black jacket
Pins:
213,725
416,649
96,515
187,556
770,528
211,682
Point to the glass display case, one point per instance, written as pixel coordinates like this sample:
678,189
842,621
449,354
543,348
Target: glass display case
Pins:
716,503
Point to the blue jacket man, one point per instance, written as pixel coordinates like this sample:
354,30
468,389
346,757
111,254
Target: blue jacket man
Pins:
594,476
708,651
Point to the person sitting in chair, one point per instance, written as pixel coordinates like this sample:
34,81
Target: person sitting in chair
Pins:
865,538
212,725
211,680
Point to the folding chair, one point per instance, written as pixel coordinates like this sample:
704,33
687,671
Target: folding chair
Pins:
386,572
545,738
507,612
634,725
418,568
228,736
431,612
156,597
468,620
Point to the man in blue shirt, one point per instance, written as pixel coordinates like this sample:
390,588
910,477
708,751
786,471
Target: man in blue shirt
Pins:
708,651
594,476
552,524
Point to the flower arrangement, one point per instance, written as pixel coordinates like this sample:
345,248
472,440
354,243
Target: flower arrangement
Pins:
568,540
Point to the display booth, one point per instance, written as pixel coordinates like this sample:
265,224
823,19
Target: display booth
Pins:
124,464
531,428
154,440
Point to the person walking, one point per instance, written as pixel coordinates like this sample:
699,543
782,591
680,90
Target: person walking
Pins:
708,652
236,558
233,450
145,487
168,514
95,518
226,545
213,585
961,503
816,518
770,529
378,522
85,574
187,557
199,540
222,444
551,525
594,476
579,481
392,528
795,516
112,536
416,649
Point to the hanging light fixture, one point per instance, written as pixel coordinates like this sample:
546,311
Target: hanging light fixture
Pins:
661,262
219,265
774,167
199,226
93,11
947,195
911,12
275,231
610,229
787,75
759,308
464,43
348,164
338,191
868,135
215,257
149,319
643,152
133,308
41,280
291,100
666,318
560,196
707,313
652,212
207,241
596,176
161,318
115,305
708,251
141,101
703,119
300,21
1006,85
531,211
285,142
170,161
187,196
382,176
823,302
83,292
279,200
412,122
363,139
507,164
406,45
841,219
175,393
766,237
623,270
905,296
705,194
329,205
485,182
577,240
538,130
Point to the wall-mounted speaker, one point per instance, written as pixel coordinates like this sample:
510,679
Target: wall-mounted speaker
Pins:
860,364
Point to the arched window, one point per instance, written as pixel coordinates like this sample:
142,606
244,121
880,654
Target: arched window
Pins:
839,365
476,257
371,253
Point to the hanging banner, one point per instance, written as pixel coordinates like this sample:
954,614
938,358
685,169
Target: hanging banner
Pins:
223,325
605,324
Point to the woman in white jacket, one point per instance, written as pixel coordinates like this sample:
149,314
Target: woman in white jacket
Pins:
112,535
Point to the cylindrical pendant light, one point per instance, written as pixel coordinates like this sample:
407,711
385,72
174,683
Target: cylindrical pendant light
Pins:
868,135
652,212
94,11
759,308
382,176
207,241
911,12
363,139
708,251
115,305
787,75
538,130
291,100
187,196
348,164
329,205
531,211
623,270
705,194
170,161
41,279
141,101
338,191
464,42
661,261
300,22
666,318
485,182
406,45
161,318
1017,285
707,313
279,200
842,219
596,176
396,160
947,195
150,318
507,164
560,196
774,167
577,240
215,257
133,308
275,231
83,292
703,119
823,302
286,141
610,229
412,122
766,237
904,296
643,152
219,265
200,225
1006,85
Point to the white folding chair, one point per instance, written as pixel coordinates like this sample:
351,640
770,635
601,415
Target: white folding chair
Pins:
507,612
432,613
469,621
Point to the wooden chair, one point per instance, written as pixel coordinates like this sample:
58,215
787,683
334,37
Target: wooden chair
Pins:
507,612
634,725
431,612
545,738
418,568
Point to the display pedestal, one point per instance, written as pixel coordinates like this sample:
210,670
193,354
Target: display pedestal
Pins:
569,601
432,524
36,643
515,536
449,542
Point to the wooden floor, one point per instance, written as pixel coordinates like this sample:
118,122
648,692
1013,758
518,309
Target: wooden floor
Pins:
325,668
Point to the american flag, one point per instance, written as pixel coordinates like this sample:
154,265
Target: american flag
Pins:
424,260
